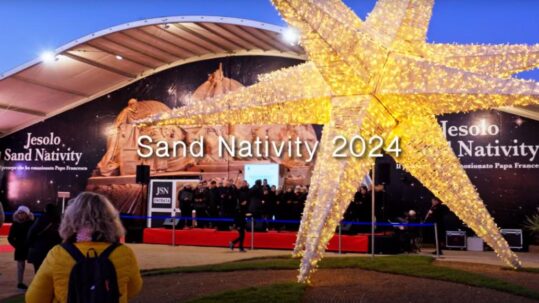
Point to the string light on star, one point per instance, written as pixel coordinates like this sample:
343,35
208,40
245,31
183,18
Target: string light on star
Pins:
376,77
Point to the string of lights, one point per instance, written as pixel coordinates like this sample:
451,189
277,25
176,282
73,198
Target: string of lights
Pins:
377,77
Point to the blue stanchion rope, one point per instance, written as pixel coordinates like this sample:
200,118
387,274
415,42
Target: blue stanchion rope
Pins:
209,219
131,217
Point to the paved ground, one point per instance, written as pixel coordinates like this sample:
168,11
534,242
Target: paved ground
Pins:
148,256
161,256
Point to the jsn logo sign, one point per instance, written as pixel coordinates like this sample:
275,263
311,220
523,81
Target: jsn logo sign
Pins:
162,191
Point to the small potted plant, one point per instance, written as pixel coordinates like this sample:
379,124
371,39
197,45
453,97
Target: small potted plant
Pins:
532,225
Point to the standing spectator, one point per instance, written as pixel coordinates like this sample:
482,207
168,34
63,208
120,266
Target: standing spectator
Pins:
200,205
265,184
239,221
437,214
298,201
22,221
268,204
2,215
90,225
186,199
243,194
364,198
280,212
287,207
413,231
230,200
43,236
255,199
212,201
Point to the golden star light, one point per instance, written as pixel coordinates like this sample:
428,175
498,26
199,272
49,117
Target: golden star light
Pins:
377,77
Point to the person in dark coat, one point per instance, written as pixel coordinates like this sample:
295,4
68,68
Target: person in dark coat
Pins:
255,199
287,207
437,214
212,201
229,198
22,221
298,202
2,215
200,205
186,200
43,236
239,221
243,193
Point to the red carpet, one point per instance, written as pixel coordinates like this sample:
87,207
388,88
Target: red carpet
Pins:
4,231
272,239
6,248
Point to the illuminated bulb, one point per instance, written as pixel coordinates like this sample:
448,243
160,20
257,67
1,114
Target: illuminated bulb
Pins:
119,57
48,57
377,77
291,36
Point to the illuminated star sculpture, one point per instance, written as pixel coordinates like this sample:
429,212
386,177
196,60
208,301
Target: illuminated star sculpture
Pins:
377,77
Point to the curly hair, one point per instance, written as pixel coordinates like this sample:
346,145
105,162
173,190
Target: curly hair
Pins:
95,212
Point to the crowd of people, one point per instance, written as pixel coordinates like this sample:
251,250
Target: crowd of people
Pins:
90,231
76,257
265,203
281,209
224,199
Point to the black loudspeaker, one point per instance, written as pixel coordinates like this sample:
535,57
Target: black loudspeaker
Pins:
384,173
143,174
455,239
513,237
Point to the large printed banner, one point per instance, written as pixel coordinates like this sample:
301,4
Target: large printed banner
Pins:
94,146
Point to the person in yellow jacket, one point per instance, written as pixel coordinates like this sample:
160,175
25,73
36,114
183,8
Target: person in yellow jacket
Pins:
90,222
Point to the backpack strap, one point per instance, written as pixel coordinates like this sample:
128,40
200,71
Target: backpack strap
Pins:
106,253
73,251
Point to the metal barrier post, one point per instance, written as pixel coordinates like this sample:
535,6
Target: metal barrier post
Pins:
372,207
340,233
193,219
252,233
174,229
436,239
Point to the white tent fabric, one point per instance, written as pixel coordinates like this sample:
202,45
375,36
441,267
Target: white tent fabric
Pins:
88,68
104,61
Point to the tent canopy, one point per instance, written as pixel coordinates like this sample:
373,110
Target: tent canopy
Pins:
105,61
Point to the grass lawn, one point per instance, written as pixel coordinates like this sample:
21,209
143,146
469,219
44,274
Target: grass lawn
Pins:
415,266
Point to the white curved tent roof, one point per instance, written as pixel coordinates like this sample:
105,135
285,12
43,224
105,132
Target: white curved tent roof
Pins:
88,68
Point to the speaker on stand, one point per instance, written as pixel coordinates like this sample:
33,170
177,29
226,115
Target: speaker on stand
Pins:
135,227
143,174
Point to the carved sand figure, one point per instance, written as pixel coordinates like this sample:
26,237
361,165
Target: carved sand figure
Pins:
123,134
121,158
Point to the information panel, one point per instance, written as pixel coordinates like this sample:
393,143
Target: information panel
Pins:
255,172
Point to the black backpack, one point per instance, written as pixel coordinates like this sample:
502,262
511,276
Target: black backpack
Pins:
93,278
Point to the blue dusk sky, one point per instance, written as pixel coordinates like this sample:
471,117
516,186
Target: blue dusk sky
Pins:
31,27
